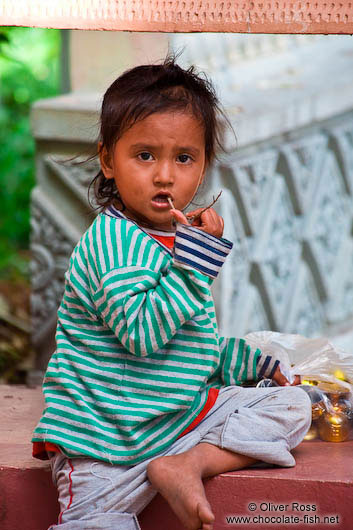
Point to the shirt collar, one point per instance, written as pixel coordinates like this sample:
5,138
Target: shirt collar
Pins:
112,211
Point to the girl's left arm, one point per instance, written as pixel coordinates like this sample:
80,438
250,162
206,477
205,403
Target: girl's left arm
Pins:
240,364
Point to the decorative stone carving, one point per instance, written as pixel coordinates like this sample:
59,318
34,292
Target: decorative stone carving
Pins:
74,174
51,250
339,306
305,313
291,218
233,287
258,317
249,179
300,162
57,222
327,224
346,301
342,143
277,251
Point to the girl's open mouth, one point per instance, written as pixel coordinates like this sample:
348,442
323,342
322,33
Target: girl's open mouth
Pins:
161,200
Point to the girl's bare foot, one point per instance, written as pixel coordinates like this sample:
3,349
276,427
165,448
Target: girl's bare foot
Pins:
180,483
179,479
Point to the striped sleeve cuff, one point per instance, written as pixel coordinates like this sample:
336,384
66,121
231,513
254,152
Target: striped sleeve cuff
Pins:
266,366
199,250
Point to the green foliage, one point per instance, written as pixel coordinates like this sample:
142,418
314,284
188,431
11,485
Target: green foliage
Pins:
29,70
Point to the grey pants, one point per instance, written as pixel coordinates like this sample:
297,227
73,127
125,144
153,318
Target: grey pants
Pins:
264,423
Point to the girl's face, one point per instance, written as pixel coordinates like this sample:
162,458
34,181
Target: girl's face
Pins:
160,156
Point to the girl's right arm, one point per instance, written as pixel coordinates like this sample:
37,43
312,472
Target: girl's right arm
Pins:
145,307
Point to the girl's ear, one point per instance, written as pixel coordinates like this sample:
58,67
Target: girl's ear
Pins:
105,161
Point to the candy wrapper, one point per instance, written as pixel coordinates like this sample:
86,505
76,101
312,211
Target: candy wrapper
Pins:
327,374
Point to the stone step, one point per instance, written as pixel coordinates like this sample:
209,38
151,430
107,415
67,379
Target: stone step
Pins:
321,485
317,493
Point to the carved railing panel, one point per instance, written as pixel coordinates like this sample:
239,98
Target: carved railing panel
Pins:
289,208
59,215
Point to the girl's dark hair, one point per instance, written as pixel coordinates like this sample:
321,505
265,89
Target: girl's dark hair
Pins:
144,90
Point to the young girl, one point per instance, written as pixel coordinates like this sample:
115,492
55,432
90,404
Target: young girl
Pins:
142,394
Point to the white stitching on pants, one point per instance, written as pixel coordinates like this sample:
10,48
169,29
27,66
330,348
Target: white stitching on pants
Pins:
99,476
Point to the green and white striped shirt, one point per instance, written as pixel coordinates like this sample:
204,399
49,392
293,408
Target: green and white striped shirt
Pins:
137,343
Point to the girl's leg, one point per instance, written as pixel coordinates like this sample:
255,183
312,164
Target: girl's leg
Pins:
244,427
266,424
96,495
179,479
91,494
249,422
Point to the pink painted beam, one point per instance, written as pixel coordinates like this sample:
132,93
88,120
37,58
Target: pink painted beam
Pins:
270,16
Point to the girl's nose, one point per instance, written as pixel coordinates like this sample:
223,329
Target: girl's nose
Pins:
164,173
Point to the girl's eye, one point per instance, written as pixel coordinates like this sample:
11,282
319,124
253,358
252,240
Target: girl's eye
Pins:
184,158
145,156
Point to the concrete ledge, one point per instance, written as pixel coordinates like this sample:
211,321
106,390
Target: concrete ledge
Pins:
276,95
28,499
322,478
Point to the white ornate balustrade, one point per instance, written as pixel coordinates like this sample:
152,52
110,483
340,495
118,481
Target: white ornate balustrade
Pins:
288,206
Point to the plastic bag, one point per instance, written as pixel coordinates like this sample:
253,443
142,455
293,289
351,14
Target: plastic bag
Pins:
316,359
320,361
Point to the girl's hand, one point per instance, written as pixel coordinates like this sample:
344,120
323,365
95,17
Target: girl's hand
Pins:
209,221
281,380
